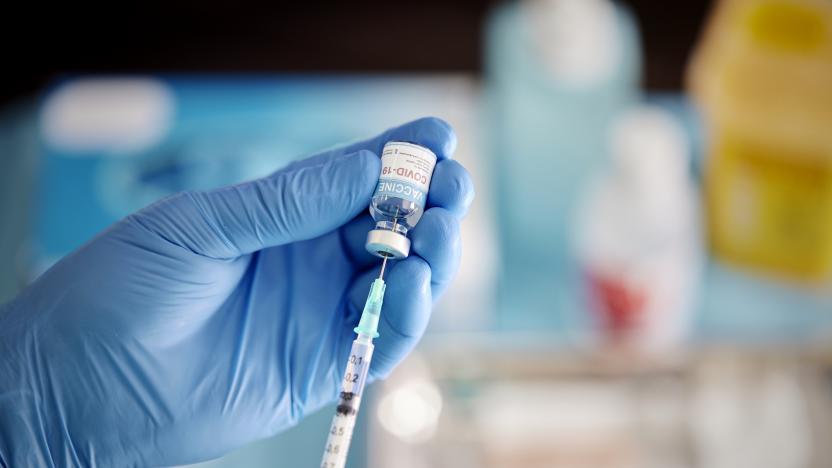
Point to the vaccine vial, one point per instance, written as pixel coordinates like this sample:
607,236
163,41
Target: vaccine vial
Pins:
400,196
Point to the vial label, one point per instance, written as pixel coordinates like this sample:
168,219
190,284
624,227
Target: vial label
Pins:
406,170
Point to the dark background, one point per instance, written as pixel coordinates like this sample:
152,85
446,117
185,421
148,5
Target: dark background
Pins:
42,40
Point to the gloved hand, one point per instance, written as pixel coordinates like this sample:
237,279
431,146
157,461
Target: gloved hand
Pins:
212,319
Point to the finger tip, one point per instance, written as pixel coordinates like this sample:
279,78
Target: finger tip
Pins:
453,188
438,226
437,240
369,161
366,167
445,136
431,132
412,272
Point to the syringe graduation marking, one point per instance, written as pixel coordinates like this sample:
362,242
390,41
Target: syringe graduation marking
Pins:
345,406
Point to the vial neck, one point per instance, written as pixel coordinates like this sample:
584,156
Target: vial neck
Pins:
392,226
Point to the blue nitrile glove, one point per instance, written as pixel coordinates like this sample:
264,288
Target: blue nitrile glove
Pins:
212,319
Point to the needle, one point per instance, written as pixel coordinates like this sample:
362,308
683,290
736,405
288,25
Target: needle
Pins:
383,264
386,256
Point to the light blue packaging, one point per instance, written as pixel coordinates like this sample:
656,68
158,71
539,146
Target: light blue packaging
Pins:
547,130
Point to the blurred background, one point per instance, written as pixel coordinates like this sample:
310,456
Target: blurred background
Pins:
647,273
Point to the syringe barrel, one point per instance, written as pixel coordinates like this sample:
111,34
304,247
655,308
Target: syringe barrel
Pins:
349,401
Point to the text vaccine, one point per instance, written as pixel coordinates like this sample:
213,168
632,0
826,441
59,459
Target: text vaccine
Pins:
400,196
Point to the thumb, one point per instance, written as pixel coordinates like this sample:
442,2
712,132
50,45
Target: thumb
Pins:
297,203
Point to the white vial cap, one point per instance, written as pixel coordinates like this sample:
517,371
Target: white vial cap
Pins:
383,243
649,152
577,40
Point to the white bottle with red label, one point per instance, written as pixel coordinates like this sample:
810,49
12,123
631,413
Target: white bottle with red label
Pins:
638,234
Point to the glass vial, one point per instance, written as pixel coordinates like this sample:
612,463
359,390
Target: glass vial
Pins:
400,196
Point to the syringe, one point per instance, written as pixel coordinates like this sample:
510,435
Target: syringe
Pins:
355,376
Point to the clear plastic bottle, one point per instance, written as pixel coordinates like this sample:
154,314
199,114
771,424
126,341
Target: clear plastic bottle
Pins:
400,196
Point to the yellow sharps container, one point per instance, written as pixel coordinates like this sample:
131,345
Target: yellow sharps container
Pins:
762,78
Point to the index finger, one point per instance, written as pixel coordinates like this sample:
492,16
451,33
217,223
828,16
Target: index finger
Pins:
431,132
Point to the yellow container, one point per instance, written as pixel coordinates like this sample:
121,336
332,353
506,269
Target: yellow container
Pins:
762,77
